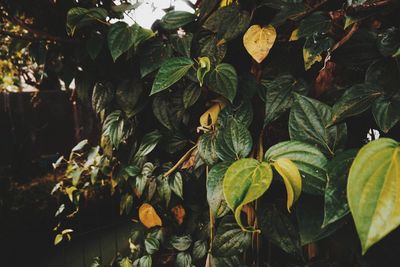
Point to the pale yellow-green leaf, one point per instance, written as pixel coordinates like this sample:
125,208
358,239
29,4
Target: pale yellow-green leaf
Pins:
245,181
291,178
373,190
148,216
258,41
70,192
58,239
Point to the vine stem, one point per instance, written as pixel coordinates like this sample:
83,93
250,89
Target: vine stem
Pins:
180,161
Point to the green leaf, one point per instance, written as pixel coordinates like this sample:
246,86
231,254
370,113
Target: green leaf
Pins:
223,80
176,19
372,190
181,243
79,17
153,55
224,261
74,172
288,10
230,240
170,72
215,193
241,112
203,68
308,159
94,45
233,141
383,75
308,122
164,190
176,184
168,109
80,145
277,226
152,245
149,142
228,22
114,127
145,261
126,204
182,44
207,150
102,96
313,48
245,181
354,101
191,94
200,249
336,206
125,7
291,177
209,47
128,95
310,216
386,111
279,95
317,22
120,38
183,259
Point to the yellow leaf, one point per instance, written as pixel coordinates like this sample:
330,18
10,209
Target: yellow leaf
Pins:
291,177
294,36
310,59
210,117
70,192
148,216
226,3
58,239
258,41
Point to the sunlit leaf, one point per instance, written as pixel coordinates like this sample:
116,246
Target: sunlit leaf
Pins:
245,181
258,41
372,190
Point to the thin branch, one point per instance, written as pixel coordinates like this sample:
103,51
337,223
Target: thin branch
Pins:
352,10
44,36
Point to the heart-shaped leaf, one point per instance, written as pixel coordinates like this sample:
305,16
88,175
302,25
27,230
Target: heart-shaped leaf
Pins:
309,122
245,181
373,190
170,72
258,41
223,80
308,159
233,141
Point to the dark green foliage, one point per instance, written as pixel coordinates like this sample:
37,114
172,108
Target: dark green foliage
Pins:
178,108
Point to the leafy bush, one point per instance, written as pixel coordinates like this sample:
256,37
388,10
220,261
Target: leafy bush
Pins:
208,118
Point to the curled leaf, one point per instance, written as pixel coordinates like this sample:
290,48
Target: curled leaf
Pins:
245,181
209,118
291,177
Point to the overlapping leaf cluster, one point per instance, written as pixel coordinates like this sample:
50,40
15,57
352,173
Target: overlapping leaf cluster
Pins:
242,126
